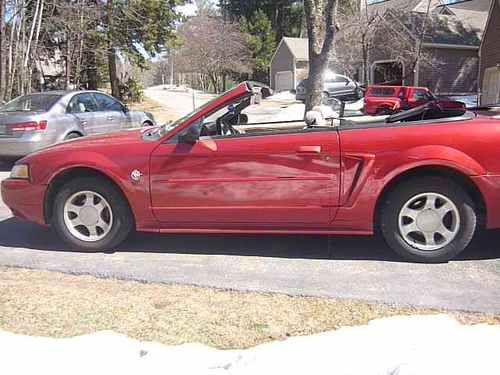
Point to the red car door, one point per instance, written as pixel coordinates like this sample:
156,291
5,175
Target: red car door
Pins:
269,180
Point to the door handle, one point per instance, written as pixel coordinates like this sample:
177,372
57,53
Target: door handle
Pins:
309,150
83,123
111,118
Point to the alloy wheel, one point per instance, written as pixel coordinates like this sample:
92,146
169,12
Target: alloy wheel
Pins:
88,216
429,221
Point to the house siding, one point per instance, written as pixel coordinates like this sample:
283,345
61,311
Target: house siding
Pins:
490,48
454,71
283,61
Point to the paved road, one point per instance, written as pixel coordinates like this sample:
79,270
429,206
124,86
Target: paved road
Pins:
358,268
177,101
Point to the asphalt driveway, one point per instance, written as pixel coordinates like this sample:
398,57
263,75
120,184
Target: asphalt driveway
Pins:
342,267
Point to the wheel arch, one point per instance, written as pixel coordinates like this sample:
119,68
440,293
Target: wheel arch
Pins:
66,175
437,171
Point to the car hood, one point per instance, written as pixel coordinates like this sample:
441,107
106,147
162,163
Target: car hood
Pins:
124,139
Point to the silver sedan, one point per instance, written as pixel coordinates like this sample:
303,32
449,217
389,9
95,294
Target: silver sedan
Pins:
31,122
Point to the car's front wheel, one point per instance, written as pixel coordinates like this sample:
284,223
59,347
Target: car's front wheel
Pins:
429,219
90,214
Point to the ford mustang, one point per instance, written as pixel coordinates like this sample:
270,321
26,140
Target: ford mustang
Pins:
427,179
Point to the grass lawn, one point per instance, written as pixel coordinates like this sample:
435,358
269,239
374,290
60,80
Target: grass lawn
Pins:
59,305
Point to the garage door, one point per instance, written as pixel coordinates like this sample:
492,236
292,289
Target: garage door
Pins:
284,81
491,86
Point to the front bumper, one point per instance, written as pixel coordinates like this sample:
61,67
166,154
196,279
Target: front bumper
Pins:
24,199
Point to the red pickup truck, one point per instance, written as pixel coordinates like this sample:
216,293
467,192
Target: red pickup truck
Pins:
386,100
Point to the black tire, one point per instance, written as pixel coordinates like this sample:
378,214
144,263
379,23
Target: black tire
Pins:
123,221
147,123
72,135
384,111
402,193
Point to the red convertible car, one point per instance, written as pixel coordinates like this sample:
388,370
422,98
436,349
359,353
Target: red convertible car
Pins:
428,179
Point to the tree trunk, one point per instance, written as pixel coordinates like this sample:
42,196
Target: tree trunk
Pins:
17,43
321,28
8,71
92,71
35,48
2,52
67,78
364,49
213,79
113,74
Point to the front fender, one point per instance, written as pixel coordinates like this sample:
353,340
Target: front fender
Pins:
136,193
86,159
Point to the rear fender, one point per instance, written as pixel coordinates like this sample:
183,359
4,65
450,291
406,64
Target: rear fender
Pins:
432,155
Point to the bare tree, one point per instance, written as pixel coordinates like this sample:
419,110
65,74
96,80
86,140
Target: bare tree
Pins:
213,49
321,29
392,35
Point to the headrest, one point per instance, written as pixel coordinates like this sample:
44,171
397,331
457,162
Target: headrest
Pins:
315,117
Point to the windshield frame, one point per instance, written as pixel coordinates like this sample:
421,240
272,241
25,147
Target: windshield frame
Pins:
169,130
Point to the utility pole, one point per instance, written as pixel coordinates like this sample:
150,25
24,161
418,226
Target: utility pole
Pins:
171,68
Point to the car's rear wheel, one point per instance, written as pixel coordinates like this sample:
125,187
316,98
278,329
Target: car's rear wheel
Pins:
90,214
429,219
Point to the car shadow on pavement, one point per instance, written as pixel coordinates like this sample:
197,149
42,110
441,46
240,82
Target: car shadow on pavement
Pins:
18,234
6,166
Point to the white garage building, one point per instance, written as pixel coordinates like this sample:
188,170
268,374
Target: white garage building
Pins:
289,64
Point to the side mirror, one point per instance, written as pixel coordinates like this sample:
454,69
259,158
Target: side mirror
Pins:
190,137
125,109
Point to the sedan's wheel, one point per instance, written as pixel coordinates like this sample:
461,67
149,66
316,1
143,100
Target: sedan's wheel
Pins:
91,214
430,219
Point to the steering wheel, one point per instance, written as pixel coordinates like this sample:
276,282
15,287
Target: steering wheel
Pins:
225,128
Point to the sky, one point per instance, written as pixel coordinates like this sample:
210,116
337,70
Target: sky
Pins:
188,9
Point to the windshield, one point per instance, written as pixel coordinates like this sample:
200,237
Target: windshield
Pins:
172,125
31,103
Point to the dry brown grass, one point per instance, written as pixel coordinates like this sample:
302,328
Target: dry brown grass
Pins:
161,114
58,305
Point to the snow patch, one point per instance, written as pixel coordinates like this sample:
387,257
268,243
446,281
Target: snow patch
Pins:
282,96
430,345
355,106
